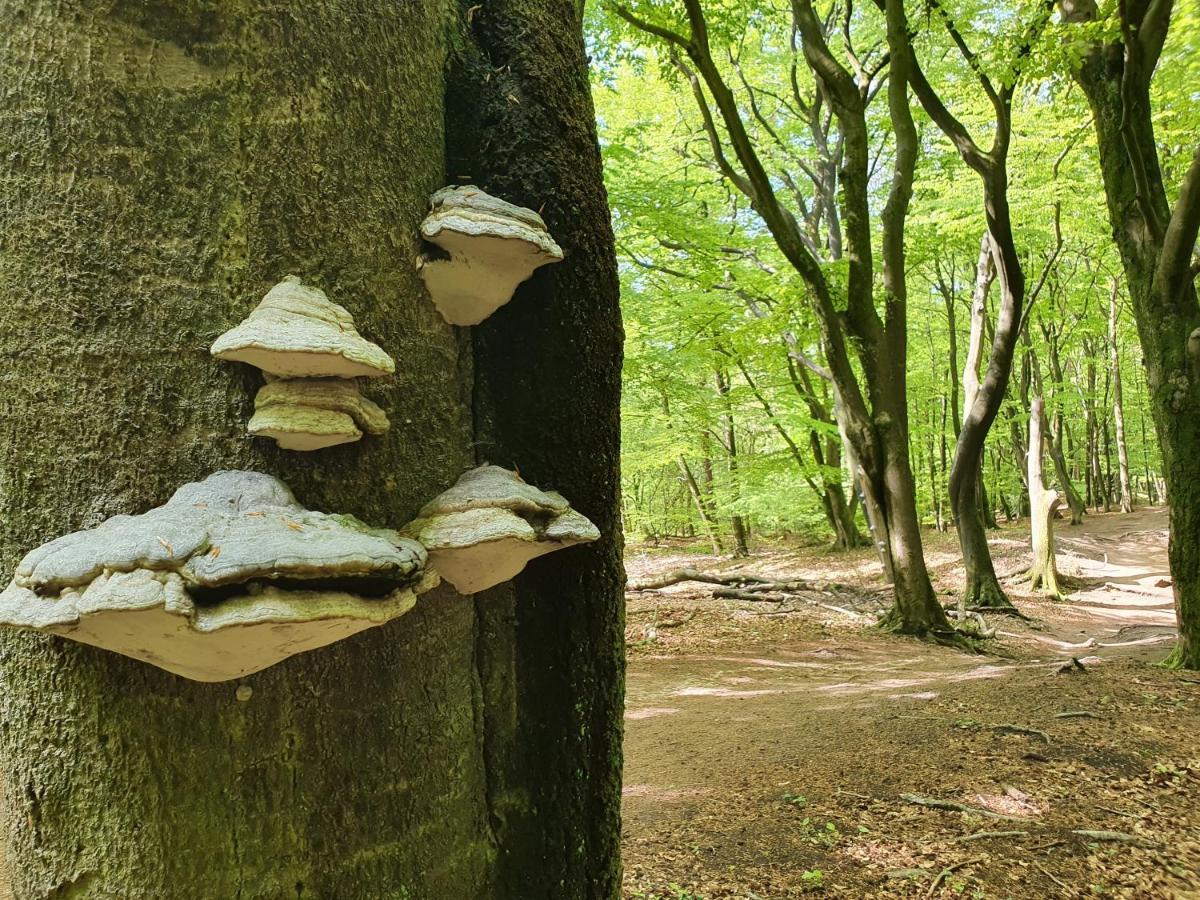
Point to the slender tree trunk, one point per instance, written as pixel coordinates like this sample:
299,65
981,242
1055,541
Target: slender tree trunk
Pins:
1043,503
1074,501
1118,403
741,545
165,164
710,527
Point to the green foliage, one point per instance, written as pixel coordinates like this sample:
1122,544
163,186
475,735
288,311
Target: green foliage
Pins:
709,300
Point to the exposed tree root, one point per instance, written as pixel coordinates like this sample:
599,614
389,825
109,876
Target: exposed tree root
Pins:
1021,729
952,806
893,623
987,596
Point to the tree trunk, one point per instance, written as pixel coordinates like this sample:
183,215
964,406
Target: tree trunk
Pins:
1062,471
1118,403
167,163
741,545
980,405
1164,305
1043,503
710,527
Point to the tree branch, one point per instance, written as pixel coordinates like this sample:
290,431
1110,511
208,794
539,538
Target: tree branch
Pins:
671,37
1174,269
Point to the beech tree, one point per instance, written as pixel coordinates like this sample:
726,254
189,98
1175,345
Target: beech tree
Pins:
872,411
1157,244
983,398
164,164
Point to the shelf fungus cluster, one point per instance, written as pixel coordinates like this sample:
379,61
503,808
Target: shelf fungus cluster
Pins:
230,576
311,354
485,247
233,575
490,524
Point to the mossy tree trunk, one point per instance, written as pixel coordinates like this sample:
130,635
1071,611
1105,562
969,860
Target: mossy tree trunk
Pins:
165,165
1156,241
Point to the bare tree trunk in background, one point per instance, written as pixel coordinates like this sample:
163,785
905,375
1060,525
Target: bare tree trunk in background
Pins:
164,165
741,545
1055,438
707,519
1043,503
710,527
1118,402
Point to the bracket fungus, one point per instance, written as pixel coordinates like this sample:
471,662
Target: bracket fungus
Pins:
489,247
313,413
311,353
483,530
230,576
298,332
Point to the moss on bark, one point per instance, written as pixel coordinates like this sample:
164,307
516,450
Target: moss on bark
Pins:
547,384
166,164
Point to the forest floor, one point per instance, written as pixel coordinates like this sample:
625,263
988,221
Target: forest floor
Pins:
770,747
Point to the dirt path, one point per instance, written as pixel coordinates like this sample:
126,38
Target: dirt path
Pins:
768,753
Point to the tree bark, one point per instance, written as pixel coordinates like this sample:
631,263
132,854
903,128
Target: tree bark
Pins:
737,522
1043,504
710,527
1118,403
966,486
1074,502
166,165
1156,243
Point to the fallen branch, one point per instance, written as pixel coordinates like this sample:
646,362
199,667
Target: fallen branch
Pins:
744,580
1117,837
759,595
678,576
952,806
950,870
989,835
1076,714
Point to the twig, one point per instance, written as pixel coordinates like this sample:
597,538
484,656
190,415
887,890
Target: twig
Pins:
1076,714
949,870
1021,729
1048,846
952,806
853,794
988,835
1117,812
1045,872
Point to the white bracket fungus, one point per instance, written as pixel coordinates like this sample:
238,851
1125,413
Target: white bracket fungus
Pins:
489,247
229,577
306,342
483,530
313,413
298,332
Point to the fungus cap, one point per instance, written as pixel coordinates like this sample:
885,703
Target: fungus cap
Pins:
297,332
489,247
230,576
314,413
485,529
